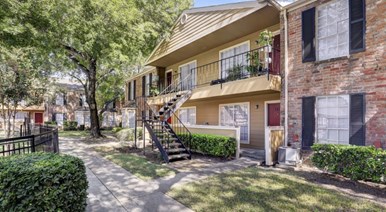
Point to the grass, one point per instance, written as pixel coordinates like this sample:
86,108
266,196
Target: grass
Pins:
255,189
74,134
136,165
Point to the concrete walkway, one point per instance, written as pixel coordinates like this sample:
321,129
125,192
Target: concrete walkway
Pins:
112,188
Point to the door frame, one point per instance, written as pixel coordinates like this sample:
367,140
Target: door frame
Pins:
35,117
166,77
267,128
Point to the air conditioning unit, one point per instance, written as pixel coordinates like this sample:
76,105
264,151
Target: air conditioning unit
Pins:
289,156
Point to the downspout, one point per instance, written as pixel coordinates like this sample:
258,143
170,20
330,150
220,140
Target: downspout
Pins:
285,78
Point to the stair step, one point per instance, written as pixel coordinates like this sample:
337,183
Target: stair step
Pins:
184,155
169,139
174,144
175,150
178,95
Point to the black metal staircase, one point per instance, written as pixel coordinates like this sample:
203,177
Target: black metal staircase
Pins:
171,140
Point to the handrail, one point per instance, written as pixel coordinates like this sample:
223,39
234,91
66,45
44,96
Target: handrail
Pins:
184,127
250,63
172,88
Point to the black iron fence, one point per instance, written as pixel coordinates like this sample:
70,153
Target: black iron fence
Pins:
39,138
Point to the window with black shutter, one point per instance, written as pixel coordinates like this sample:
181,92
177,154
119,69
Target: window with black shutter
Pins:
135,88
308,122
64,99
129,97
308,35
357,119
357,25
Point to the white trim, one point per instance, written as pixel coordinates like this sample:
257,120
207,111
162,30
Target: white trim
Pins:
267,131
249,118
166,78
190,107
316,117
228,48
192,61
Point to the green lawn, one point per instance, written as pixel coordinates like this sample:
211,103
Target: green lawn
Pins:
139,166
74,134
256,189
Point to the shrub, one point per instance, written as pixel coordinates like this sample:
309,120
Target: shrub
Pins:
116,129
81,127
70,125
50,123
215,145
128,134
42,182
355,162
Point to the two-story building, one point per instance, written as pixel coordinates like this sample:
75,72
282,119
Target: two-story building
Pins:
335,68
222,76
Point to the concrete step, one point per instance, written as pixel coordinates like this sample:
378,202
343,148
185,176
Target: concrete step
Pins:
172,157
253,153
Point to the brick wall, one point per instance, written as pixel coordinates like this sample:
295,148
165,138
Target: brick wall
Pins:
363,72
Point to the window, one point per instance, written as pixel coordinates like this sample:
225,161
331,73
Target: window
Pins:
21,115
332,119
229,61
59,99
188,75
187,115
333,30
236,115
147,85
59,117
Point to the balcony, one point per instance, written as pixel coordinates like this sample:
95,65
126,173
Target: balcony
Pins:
251,71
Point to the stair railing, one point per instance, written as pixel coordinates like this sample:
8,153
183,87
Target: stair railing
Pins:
154,125
182,132
179,86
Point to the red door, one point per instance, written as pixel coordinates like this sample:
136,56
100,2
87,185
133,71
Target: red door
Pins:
38,118
274,66
274,114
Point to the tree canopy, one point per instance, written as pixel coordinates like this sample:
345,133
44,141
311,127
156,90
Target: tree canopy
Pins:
91,39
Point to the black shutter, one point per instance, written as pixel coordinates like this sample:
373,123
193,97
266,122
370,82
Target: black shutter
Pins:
308,35
308,122
53,117
144,85
357,25
129,97
357,119
135,87
64,99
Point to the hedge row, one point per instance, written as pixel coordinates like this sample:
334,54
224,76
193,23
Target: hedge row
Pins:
127,134
42,182
215,145
70,125
355,162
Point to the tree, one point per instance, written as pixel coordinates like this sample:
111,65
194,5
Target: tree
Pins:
92,38
22,84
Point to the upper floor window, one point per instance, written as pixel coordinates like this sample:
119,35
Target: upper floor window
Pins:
188,75
333,30
60,99
233,58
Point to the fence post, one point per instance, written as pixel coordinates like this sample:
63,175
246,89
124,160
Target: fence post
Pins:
33,143
21,130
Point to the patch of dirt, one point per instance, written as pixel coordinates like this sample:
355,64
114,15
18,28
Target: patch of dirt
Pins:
363,189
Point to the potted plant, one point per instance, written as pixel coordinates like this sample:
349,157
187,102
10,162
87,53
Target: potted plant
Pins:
254,66
235,72
154,91
265,39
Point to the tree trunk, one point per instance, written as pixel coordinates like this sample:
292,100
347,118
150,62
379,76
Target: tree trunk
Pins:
95,127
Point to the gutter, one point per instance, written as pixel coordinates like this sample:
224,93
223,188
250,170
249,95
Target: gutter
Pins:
286,69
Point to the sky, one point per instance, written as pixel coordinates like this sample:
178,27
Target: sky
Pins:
203,3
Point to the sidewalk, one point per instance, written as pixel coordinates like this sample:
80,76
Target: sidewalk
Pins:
112,188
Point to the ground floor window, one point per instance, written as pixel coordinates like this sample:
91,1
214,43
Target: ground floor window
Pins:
128,118
332,119
187,115
59,117
83,118
236,114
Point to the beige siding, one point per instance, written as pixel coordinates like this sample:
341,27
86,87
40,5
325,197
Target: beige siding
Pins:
203,77
194,28
207,112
